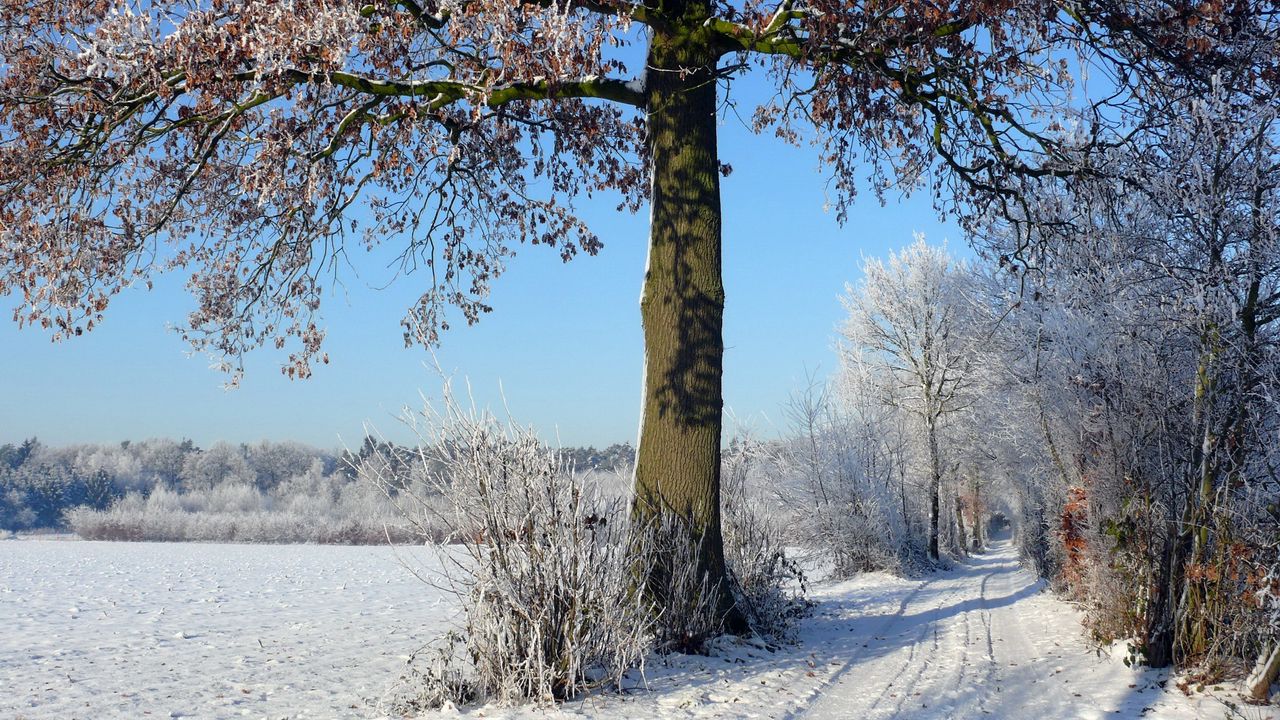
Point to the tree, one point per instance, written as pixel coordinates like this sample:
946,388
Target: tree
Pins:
914,316
223,463
13,457
1153,328
231,141
833,475
1215,231
273,463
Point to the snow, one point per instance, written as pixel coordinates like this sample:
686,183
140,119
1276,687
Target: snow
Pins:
983,640
107,630
116,630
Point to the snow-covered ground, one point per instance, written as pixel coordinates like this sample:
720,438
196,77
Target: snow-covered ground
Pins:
130,630
113,630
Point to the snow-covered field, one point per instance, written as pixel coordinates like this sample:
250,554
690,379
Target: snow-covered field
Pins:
115,630
124,630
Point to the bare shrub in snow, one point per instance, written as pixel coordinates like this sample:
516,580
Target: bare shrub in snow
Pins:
307,508
689,619
768,584
543,566
840,475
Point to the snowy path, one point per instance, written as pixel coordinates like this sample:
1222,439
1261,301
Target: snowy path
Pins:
980,640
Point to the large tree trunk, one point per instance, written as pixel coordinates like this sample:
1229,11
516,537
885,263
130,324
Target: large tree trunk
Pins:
677,476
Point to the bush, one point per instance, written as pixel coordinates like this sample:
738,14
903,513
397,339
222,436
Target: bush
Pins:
835,474
237,514
768,585
544,574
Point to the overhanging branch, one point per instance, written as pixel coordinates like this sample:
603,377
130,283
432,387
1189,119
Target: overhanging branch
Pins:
440,93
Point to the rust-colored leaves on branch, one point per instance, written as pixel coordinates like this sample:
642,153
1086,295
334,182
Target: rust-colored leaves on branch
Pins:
257,144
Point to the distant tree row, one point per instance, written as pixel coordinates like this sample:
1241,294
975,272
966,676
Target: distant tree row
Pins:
40,484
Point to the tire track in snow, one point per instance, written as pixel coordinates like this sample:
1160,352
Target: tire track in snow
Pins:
921,663
991,671
944,689
884,633
928,677
922,631
955,642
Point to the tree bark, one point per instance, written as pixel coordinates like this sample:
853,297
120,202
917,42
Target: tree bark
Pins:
935,486
677,475
1160,625
978,540
1190,617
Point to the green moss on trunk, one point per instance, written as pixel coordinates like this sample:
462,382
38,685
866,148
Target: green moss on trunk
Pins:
682,306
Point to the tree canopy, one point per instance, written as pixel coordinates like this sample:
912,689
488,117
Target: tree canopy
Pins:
234,142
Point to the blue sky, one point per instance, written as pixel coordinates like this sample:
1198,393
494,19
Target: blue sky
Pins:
563,342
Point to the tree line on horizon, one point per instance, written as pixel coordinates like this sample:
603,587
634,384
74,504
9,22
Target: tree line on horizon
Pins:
41,485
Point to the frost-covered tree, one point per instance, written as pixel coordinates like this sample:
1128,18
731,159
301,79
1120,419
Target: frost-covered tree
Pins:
222,463
878,438
231,141
1150,328
1216,236
13,456
914,316
275,462
835,475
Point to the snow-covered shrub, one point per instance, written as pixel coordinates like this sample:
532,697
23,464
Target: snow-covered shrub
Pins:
768,585
1032,534
664,558
543,567
836,474
99,525
858,541
560,588
235,498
